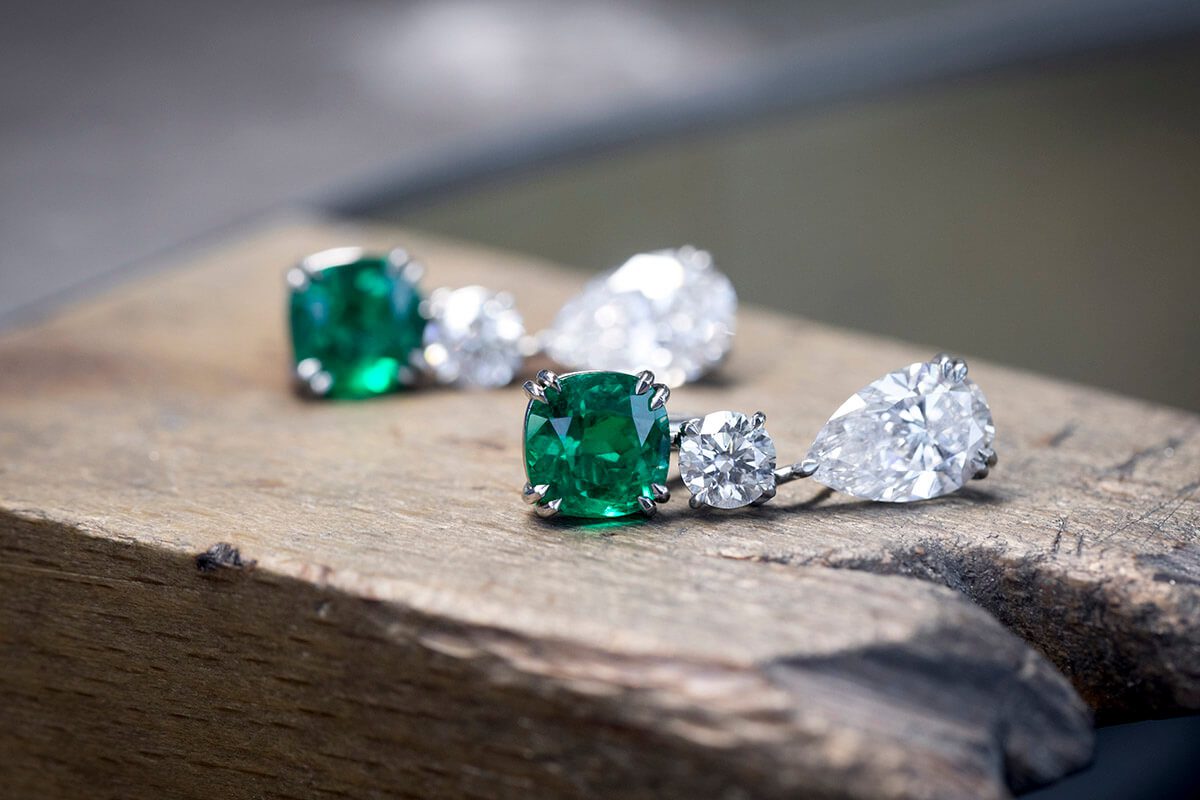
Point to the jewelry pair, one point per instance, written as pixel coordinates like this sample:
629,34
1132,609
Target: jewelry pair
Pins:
597,444
361,325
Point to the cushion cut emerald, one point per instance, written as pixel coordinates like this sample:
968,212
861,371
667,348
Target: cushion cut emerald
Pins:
596,444
355,324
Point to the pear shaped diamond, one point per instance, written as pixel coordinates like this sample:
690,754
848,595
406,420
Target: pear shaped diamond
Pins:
916,433
670,311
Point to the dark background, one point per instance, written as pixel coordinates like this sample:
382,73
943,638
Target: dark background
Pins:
1017,180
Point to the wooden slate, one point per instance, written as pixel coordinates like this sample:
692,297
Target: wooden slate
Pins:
394,623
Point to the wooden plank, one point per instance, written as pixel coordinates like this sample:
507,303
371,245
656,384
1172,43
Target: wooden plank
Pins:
407,629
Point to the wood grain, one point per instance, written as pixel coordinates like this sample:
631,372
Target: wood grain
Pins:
398,625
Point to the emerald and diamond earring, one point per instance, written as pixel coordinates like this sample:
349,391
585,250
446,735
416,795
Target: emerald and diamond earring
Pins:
362,327
597,444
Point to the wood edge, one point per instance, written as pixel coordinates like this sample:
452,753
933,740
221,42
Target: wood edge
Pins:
709,723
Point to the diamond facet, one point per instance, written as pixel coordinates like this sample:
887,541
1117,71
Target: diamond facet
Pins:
355,323
914,434
726,461
670,311
596,445
473,337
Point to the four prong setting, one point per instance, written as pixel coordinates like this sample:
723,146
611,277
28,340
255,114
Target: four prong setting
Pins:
727,460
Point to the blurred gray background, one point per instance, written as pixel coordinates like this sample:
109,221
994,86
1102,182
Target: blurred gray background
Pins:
1019,180
1015,180
1047,217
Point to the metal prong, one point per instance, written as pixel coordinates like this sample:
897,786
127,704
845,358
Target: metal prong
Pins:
334,257
298,279
645,380
398,258
320,384
548,379
648,506
401,263
759,419
986,458
702,259
688,428
682,425
532,494
307,368
549,509
661,493
534,392
312,378
662,393
765,496
432,306
695,502
807,467
953,368
795,472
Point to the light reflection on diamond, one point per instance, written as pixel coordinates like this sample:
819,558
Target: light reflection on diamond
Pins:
670,311
911,435
727,462
473,337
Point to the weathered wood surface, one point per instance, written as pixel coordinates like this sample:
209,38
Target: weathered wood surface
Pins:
401,627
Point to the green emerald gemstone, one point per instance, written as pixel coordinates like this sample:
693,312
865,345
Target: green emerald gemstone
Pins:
596,444
355,324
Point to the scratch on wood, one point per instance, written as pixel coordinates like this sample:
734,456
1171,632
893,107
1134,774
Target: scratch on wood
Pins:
1062,528
1125,468
222,555
1183,496
1179,498
1064,433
